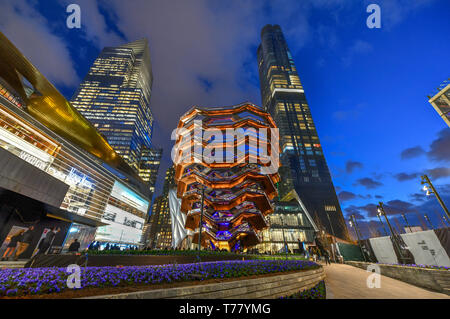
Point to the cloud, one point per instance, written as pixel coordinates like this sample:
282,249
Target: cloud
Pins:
440,147
350,114
369,209
405,176
357,48
398,206
412,152
393,12
350,166
368,183
417,197
346,196
438,172
30,32
94,26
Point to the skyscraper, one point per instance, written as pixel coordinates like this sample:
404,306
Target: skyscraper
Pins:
115,97
160,227
149,161
304,166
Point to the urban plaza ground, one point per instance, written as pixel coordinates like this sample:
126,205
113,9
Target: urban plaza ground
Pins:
248,208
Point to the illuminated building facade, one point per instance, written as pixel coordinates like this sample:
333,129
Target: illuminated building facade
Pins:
160,224
284,98
149,161
291,227
441,101
115,97
238,192
56,170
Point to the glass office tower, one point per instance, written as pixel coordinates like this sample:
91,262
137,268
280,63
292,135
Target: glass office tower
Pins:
160,224
149,162
115,97
284,98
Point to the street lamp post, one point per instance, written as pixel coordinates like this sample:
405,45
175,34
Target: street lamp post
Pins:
381,210
406,221
201,222
355,226
334,236
426,182
384,228
428,220
446,220
284,237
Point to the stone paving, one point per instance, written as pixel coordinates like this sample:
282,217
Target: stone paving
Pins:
12,264
348,282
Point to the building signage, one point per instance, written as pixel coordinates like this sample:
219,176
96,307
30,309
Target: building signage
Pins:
33,160
126,195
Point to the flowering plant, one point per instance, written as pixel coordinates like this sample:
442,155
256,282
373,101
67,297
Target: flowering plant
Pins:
29,281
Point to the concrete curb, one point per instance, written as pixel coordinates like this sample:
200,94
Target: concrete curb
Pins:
261,288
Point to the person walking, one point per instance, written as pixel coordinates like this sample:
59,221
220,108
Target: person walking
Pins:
73,248
47,242
24,242
12,245
327,258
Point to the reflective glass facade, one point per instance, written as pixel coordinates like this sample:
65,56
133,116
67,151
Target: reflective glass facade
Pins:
115,97
94,191
160,223
284,98
441,102
149,162
290,226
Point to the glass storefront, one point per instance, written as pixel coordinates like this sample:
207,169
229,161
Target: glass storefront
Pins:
94,192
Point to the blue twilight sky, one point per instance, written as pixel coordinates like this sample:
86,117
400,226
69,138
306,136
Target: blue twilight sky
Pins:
367,88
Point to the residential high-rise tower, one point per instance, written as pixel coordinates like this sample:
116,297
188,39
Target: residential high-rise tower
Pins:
303,163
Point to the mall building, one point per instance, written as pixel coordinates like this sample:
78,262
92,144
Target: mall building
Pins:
56,170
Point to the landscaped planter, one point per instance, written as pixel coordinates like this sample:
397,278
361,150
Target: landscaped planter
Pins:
430,278
35,281
270,287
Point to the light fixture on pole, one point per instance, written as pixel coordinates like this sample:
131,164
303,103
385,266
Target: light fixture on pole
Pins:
353,224
406,221
334,237
284,237
379,217
201,222
429,189
428,220
446,220
380,209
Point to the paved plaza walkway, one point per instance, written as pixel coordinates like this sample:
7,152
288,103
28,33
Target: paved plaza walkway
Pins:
348,282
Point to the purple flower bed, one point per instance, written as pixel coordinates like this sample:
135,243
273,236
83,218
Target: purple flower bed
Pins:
419,266
319,291
32,281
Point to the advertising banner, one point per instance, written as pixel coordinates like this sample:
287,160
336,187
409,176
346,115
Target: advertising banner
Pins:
426,248
14,230
383,250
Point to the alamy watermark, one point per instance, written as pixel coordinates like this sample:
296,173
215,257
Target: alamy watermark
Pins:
207,146
74,278
374,19
374,279
74,19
